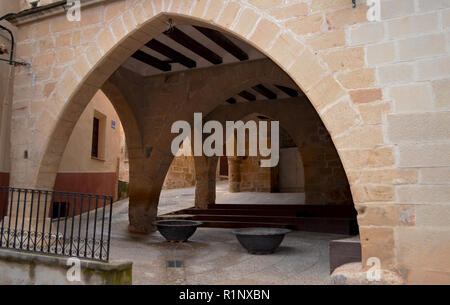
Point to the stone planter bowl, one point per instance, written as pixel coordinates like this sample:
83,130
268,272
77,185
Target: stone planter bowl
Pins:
260,240
177,230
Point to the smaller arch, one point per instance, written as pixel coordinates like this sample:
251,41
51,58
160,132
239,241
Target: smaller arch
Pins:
325,179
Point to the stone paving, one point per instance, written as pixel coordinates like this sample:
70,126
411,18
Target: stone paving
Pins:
214,256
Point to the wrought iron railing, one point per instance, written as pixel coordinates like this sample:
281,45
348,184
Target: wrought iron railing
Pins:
56,223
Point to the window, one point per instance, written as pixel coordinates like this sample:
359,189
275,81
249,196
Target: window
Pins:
95,132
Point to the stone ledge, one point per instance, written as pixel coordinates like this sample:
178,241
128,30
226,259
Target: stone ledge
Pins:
18,256
29,268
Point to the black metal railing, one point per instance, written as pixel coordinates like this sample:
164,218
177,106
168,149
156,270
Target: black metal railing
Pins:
56,223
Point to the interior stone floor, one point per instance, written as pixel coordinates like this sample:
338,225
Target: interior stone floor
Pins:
214,256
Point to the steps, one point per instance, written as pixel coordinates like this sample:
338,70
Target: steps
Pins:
310,218
344,251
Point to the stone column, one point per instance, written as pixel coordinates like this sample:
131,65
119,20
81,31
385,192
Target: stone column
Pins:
143,208
234,174
144,191
205,177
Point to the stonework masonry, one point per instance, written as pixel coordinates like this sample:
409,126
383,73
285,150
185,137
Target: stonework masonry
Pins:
380,89
324,177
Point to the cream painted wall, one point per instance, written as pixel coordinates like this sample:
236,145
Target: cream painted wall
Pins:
77,156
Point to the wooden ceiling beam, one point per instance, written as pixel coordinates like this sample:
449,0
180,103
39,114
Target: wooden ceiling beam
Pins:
224,42
191,44
289,91
261,89
247,95
168,52
152,61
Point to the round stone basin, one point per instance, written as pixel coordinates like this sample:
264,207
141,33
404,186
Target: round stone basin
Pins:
260,240
177,230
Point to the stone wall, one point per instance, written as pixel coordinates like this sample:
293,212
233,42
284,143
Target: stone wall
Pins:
20,268
6,93
124,168
325,181
79,171
25,5
181,173
9,7
380,88
255,178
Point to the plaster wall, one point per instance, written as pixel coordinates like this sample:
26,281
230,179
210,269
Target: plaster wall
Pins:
380,88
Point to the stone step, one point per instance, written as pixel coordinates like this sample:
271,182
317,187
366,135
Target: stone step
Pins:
344,251
308,224
238,224
277,210
312,208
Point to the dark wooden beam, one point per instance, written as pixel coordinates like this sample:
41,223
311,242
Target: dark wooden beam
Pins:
231,100
174,55
152,61
247,95
289,91
223,41
194,46
261,89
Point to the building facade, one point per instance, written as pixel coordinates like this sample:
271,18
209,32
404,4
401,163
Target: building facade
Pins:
91,160
380,88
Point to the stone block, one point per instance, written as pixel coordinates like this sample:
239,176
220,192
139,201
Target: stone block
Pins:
441,90
424,155
367,33
423,194
418,128
411,98
422,46
380,53
361,78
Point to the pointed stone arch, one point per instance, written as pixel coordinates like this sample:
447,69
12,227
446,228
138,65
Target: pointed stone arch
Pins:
127,25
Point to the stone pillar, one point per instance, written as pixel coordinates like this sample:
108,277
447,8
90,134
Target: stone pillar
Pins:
205,177
143,209
234,174
144,190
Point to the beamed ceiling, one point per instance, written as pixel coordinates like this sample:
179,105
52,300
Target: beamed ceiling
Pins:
263,92
187,47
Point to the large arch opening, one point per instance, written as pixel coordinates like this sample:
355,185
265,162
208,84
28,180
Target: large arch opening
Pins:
319,47
150,79
186,67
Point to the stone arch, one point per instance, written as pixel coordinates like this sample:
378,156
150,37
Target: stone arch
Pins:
325,179
57,143
115,43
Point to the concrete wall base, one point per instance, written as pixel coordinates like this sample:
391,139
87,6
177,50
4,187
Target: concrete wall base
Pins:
20,268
